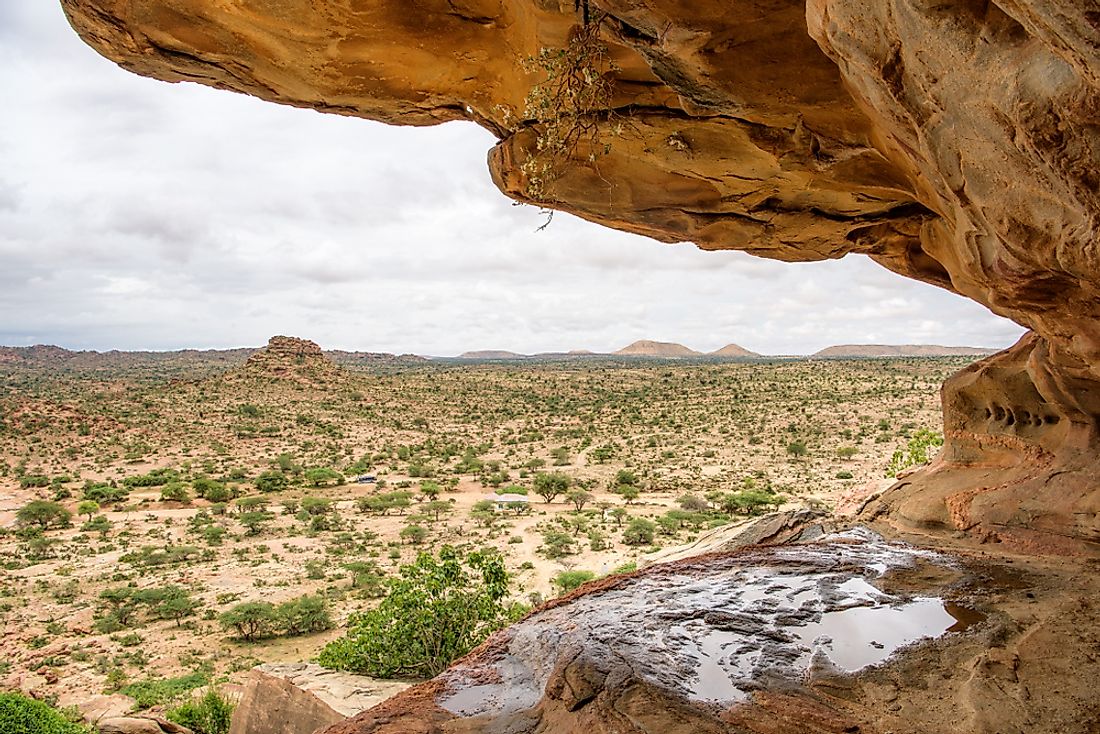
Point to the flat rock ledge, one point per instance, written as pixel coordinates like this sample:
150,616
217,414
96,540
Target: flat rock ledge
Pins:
300,698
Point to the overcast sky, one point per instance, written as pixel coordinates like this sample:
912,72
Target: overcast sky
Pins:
141,215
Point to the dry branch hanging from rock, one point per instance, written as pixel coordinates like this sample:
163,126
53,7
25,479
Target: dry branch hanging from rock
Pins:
571,108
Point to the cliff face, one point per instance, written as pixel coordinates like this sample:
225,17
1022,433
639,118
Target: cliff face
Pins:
956,143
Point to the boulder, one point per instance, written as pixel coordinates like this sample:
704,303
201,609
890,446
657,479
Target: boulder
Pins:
300,698
144,724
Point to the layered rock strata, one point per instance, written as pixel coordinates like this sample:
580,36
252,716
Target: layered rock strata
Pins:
956,143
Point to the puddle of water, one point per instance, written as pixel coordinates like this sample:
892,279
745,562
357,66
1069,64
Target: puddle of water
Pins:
717,659
856,637
965,617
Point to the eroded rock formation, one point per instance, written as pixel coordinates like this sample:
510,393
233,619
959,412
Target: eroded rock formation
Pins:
292,359
956,143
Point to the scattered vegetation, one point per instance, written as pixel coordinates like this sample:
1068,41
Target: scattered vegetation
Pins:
183,526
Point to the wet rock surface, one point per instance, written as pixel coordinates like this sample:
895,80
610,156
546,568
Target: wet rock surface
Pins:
803,637
713,630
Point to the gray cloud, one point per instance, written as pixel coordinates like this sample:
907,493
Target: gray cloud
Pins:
137,214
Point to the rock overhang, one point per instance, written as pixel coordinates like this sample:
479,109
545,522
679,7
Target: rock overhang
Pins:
953,143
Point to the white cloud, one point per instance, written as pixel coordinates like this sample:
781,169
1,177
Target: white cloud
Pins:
136,214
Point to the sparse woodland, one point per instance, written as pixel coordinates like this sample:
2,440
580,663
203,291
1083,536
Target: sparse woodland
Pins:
163,530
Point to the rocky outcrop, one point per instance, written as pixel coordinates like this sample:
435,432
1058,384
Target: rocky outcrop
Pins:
789,526
955,143
1020,464
292,359
301,698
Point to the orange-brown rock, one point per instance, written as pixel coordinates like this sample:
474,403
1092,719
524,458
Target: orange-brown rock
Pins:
290,358
1020,463
956,143
300,698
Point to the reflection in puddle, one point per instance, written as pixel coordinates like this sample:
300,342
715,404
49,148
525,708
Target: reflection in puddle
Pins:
862,627
718,658
964,617
856,637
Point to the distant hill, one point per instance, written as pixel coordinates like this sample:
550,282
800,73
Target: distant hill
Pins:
370,358
900,350
183,360
733,350
664,350
491,354
43,356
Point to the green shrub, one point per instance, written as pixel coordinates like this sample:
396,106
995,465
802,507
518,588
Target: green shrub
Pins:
174,492
210,714
628,567
303,615
22,715
437,611
271,481
152,556
211,490
155,478
639,531
566,581
252,620
43,513
919,450
550,485
321,476
557,544
316,505
105,494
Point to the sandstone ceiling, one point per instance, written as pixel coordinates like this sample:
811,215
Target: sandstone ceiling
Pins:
956,143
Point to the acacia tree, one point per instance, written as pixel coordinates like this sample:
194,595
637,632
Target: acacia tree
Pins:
251,620
579,498
550,485
87,508
43,513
